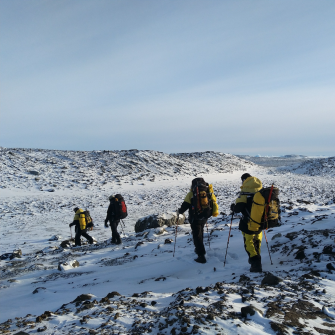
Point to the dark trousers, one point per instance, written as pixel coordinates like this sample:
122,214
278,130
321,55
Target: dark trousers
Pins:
198,235
115,235
80,233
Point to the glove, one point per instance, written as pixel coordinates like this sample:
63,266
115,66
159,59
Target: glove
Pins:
177,213
70,225
106,223
232,207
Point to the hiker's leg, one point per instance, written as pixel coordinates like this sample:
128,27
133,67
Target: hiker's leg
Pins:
115,234
77,237
257,242
197,232
88,237
249,244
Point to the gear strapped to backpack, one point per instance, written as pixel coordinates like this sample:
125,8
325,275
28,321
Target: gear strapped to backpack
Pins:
85,220
202,200
120,208
89,220
263,208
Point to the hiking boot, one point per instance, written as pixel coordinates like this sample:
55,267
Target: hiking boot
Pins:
256,264
201,259
118,241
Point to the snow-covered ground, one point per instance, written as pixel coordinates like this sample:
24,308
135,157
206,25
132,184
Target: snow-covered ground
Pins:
139,287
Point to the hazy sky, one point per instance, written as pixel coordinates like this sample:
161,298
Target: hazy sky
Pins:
252,77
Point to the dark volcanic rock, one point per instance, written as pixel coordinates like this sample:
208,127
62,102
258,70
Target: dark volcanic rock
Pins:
155,221
35,173
280,329
328,250
67,243
38,289
113,294
300,254
83,297
251,310
270,279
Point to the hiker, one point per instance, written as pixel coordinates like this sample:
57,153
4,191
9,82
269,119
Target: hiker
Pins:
79,221
201,205
251,205
117,210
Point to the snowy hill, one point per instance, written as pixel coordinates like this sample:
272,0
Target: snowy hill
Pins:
272,161
55,169
315,167
139,287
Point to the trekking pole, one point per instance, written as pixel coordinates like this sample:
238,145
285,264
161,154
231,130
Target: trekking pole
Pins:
231,223
175,236
209,241
71,232
122,227
266,220
268,247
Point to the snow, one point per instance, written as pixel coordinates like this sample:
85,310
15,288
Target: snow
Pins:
159,291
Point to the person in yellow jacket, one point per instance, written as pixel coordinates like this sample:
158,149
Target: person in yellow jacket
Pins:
251,205
200,210
79,221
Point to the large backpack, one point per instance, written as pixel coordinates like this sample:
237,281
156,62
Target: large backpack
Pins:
85,220
120,208
271,216
89,220
201,202
267,210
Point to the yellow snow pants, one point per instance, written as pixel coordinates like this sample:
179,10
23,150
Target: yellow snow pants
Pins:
252,244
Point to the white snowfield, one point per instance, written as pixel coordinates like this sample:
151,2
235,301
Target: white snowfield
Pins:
138,287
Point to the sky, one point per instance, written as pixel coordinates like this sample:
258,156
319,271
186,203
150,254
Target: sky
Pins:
236,76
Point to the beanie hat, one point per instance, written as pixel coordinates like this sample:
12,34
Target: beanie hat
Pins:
75,209
245,176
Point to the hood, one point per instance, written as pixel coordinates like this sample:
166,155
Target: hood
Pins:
252,185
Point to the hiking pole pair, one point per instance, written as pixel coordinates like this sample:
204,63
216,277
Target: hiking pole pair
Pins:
175,236
231,223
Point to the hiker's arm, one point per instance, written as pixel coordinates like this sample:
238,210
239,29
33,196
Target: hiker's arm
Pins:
239,207
184,207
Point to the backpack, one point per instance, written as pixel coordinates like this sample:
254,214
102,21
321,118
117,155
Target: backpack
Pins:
89,220
271,216
201,202
120,208
263,206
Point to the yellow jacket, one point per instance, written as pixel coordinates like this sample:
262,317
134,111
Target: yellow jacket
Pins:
252,215
80,217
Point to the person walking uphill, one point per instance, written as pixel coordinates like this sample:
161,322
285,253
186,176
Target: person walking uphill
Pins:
117,210
201,205
79,221
251,204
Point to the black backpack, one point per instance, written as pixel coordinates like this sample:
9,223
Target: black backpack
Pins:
120,208
201,202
